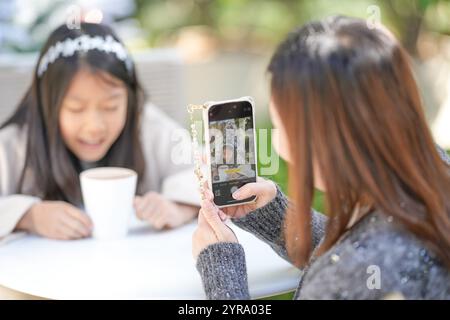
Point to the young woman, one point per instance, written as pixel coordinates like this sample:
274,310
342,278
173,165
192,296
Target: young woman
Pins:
85,108
351,123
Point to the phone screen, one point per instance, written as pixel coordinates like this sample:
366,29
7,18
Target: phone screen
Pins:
232,149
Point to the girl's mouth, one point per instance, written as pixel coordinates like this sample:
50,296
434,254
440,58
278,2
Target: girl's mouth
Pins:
91,144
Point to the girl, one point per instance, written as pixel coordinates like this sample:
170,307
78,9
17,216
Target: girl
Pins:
85,108
351,123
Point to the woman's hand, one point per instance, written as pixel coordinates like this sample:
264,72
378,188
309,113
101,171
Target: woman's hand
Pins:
162,213
56,220
211,229
264,190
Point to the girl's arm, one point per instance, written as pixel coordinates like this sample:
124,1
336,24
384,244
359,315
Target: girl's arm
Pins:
12,209
12,158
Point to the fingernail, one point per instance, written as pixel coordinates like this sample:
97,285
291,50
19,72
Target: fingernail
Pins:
236,195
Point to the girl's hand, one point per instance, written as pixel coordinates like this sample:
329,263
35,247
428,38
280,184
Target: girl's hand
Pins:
211,229
162,213
56,220
264,190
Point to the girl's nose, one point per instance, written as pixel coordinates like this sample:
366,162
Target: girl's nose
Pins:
95,124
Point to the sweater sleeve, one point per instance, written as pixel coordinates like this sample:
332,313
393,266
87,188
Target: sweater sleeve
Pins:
223,271
267,224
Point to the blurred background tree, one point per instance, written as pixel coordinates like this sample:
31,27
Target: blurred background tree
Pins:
239,24
249,24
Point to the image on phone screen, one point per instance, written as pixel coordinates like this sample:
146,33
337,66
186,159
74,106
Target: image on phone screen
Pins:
232,150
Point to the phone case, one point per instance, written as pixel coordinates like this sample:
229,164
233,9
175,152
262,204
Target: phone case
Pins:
208,105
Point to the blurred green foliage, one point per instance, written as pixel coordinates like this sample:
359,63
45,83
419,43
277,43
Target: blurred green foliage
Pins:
256,23
251,24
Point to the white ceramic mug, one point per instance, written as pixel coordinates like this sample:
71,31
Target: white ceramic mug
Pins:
108,194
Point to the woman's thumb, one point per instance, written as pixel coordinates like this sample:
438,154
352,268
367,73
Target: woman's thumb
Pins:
246,191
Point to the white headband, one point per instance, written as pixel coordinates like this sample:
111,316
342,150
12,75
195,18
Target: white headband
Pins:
84,43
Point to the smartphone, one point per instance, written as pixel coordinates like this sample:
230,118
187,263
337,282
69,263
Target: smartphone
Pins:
230,148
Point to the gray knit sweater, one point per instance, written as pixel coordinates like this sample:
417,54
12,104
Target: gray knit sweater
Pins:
376,245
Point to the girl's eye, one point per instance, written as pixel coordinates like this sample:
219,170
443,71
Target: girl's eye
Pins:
110,108
75,110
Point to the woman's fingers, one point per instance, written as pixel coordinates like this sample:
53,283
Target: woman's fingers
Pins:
264,191
207,193
203,224
222,215
248,190
203,236
211,215
201,219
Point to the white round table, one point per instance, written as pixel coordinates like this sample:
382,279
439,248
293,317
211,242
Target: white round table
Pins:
144,265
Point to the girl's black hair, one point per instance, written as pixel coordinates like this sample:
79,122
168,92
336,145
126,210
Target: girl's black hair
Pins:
51,169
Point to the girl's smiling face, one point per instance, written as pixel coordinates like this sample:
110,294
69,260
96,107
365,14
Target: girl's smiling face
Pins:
93,114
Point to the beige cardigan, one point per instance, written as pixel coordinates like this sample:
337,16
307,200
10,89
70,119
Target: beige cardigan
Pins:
162,149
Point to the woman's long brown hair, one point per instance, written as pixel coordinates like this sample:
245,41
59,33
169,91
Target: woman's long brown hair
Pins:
350,105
